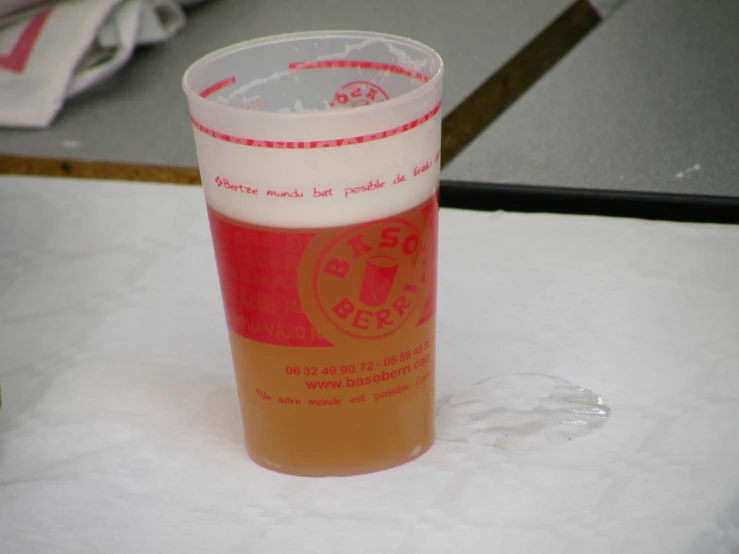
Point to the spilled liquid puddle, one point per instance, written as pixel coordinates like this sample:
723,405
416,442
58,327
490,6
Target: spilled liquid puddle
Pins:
520,412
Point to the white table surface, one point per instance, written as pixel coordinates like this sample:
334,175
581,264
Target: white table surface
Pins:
120,433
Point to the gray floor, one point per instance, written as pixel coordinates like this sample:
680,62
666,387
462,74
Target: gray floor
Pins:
648,102
141,115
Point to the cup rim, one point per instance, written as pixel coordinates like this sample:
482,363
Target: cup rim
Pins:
369,109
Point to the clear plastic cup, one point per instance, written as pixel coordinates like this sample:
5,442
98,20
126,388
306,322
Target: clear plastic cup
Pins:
319,156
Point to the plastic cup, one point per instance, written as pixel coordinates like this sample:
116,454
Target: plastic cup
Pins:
319,157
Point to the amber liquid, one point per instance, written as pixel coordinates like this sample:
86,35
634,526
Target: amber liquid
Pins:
332,336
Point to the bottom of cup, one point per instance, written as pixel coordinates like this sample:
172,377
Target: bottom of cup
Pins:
340,471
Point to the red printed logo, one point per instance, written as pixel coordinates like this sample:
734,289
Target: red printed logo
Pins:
15,58
358,93
370,280
258,273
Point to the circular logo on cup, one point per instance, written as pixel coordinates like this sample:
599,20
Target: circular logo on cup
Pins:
358,93
368,280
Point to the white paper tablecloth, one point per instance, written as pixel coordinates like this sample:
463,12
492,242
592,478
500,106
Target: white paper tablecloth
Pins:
120,432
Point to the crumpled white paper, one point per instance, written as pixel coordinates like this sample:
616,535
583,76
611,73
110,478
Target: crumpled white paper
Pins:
51,51
120,429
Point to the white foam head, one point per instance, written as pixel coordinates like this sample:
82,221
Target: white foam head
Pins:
318,167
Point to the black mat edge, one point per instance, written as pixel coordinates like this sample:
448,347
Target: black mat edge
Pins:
512,197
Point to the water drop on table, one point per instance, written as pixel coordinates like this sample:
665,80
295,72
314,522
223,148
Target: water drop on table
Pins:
516,412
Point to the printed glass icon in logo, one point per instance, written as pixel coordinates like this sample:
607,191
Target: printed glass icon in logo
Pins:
369,280
377,280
